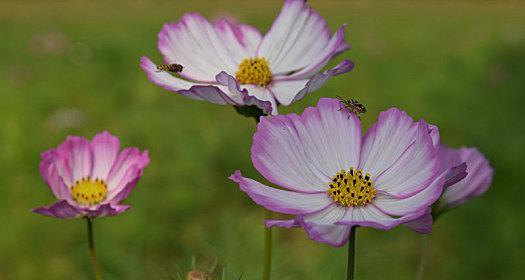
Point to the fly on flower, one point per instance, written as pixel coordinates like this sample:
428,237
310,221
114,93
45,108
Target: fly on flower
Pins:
230,63
90,179
174,68
334,178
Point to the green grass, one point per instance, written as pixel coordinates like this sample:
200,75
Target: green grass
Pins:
458,65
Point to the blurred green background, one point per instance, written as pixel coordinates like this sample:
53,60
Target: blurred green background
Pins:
72,68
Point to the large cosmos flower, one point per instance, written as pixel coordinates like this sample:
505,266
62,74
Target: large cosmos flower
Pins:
335,178
467,163
228,63
90,179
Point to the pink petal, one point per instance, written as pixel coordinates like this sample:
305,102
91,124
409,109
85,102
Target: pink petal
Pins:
49,172
75,160
125,169
61,210
262,94
369,216
198,46
244,98
321,226
213,93
476,182
283,223
290,91
399,154
422,224
241,40
298,39
282,201
105,149
394,206
304,152
107,210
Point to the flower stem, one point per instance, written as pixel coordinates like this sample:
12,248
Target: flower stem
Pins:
92,254
351,255
267,247
422,258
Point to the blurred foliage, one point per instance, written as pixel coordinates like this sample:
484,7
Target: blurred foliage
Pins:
72,68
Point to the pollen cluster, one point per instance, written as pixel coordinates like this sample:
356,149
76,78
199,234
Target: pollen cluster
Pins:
350,188
87,192
254,71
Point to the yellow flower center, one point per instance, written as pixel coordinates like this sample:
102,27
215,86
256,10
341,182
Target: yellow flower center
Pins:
254,71
87,192
350,188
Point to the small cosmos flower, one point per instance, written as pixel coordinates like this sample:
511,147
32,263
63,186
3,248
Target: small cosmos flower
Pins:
334,178
90,179
229,63
467,163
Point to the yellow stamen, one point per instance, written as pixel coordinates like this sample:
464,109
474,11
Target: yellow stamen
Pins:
350,188
87,192
254,71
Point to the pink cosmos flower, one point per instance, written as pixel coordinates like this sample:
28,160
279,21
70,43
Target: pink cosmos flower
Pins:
90,179
229,63
334,178
467,163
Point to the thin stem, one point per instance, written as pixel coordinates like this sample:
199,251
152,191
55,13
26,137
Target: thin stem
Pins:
350,269
422,258
92,254
267,247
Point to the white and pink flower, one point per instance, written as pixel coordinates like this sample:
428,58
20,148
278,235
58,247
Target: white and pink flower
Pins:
334,178
90,179
229,63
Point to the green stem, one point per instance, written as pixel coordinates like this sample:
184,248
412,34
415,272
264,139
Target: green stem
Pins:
267,247
92,254
422,258
350,269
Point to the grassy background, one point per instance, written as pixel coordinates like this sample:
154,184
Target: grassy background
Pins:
73,69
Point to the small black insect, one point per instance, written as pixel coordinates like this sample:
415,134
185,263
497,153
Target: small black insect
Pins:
175,68
353,105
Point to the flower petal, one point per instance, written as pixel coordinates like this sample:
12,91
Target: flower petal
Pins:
213,93
282,201
244,98
61,210
107,210
105,148
368,216
262,94
127,167
283,223
304,152
394,206
75,159
49,172
321,227
241,40
422,224
399,154
290,91
475,183
298,39
198,46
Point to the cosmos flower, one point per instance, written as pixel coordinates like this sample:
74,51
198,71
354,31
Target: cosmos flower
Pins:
90,179
467,163
229,63
334,178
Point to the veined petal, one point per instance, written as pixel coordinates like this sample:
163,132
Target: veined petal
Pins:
107,210
321,226
213,93
198,46
422,224
262,94
414,170
302,153
105,148
399,154
61,210
241,40
282,201
290,91
75,160
371,216
298,38
243,98
127,167
476,182
49,172
283,223
394,206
